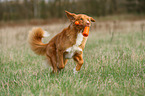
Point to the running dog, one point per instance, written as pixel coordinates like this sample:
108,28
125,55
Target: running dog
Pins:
67,44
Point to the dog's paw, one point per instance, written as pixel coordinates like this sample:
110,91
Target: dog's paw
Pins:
75,71
46,34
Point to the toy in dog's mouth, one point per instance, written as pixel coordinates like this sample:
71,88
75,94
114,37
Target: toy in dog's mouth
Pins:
85,30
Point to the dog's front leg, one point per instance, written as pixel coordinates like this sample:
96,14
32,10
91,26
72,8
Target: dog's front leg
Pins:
60,63
79,60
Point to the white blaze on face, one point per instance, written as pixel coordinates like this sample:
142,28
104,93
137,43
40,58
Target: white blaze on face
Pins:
88,22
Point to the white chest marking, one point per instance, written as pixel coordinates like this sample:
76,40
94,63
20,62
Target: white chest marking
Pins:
75,48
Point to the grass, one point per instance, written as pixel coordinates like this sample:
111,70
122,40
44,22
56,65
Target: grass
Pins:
115,68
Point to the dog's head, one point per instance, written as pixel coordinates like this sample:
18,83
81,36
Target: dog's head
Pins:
83,20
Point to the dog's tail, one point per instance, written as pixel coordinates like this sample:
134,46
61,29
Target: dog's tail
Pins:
34,38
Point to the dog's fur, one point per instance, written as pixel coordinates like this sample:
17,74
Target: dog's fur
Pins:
68,44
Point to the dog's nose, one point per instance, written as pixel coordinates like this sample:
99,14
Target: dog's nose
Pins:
87,23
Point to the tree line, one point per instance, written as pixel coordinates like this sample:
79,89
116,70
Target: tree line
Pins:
45,9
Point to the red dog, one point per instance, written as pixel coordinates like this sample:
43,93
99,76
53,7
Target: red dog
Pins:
70,43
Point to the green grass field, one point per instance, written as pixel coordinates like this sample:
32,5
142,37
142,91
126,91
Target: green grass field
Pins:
114,65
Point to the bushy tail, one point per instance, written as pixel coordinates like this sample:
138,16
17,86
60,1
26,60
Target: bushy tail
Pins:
34,38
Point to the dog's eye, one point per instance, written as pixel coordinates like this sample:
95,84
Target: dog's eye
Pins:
81,19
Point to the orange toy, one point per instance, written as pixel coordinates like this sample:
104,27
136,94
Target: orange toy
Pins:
86,31
77,22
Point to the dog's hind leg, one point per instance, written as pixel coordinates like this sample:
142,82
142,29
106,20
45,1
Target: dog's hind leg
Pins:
60,60
51,56
52,62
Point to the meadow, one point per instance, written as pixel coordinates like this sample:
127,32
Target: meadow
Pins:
114,63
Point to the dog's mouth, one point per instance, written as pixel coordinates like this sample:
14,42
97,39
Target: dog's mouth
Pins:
81,26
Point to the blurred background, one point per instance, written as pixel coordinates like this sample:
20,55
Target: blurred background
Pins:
17,17
48,9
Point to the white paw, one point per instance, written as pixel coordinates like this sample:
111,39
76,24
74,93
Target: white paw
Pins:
75,71
46,34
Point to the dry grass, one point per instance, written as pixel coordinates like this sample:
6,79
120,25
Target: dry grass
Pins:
12,36
114,62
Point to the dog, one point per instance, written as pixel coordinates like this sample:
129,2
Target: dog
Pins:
67,44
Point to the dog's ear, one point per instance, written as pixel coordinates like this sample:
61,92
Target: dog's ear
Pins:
70,16
93,20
